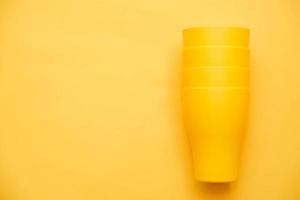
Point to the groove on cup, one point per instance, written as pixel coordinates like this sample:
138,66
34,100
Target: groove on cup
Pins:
216,76
212,36
215,56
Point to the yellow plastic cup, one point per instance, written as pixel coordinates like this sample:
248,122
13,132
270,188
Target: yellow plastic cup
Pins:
215,97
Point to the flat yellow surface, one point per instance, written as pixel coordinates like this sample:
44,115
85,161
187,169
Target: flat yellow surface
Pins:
90,102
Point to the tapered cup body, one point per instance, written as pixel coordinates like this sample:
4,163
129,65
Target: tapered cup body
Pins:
215,98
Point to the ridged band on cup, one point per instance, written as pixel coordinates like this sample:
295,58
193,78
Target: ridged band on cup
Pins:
224,76
212,36
215,56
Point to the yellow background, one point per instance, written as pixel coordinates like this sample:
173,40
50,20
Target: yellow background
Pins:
90,102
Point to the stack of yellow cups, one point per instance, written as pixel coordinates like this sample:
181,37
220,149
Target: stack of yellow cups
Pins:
215,98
